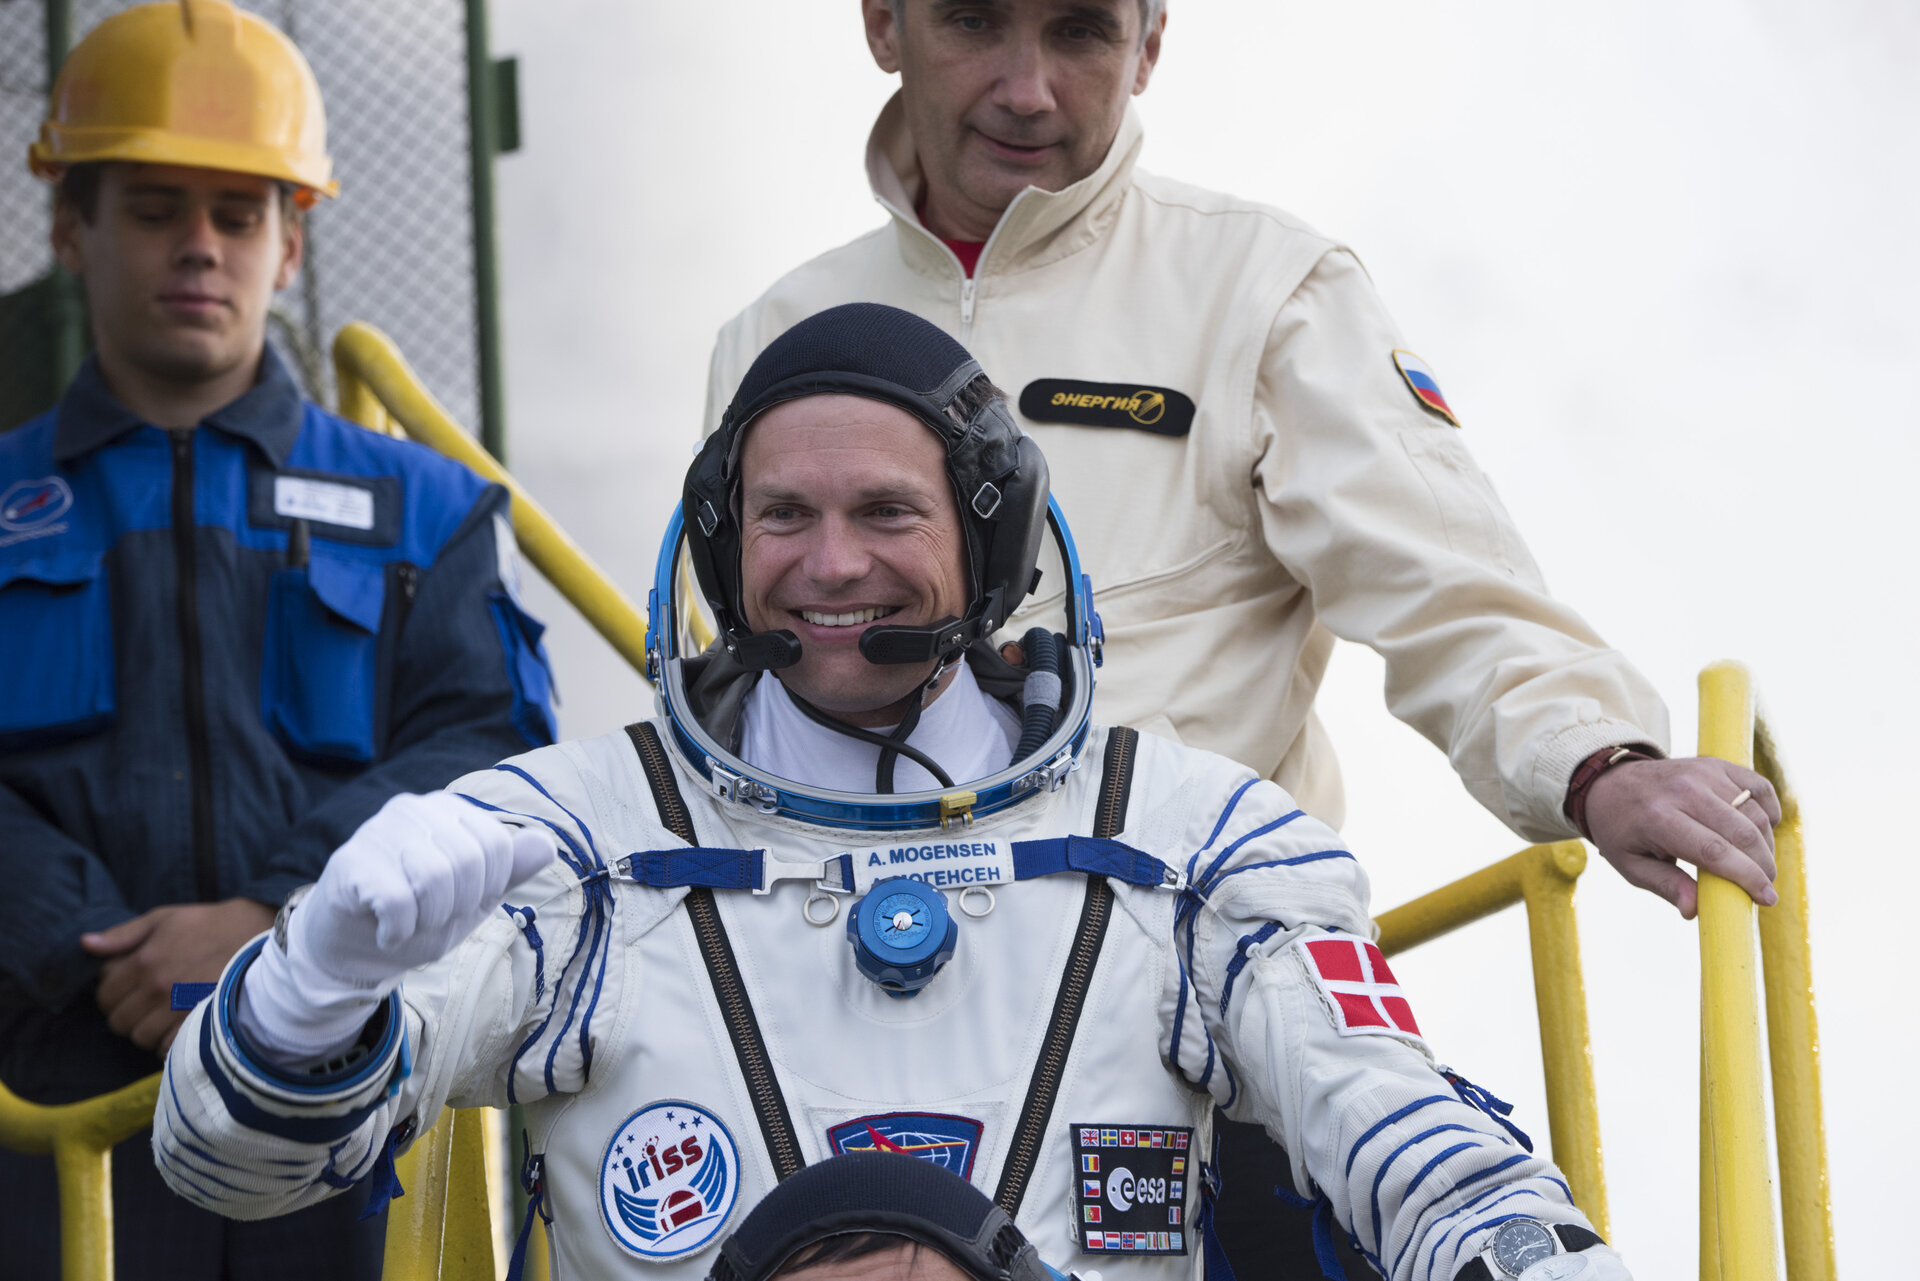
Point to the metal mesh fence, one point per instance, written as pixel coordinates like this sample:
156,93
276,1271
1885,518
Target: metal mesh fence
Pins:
397,247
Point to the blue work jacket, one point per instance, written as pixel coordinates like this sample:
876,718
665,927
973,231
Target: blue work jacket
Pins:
221,649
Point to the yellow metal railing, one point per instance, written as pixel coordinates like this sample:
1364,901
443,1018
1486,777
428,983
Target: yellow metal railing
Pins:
81,1137
379,390
1542,877
1737,1233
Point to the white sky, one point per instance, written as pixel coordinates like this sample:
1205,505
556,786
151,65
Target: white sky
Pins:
1662,260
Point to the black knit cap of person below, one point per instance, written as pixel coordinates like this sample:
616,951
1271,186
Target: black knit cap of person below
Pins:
998,474
880,1193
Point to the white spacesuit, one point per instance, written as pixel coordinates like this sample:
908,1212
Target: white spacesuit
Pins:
724,976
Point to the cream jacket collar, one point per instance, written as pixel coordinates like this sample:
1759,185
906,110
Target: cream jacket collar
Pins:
1038,228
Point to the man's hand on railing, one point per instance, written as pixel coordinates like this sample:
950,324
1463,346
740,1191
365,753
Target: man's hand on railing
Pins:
416,879
1644,815
146,956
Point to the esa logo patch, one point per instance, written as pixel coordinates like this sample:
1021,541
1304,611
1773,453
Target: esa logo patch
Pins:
1160,410
1131,1193
669,1180
29,505
949,1142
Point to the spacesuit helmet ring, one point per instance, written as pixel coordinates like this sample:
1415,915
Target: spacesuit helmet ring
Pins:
998,474
1000,478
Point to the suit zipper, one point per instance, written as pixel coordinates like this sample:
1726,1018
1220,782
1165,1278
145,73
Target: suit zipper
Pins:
206,871
1110,815
966,308
723,968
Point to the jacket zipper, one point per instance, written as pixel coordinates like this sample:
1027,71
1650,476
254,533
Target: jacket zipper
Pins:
407,578
723,968
206,871
1096,910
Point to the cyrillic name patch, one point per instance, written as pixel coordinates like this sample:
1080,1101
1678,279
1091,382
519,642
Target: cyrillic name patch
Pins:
950,1142
1361,993
1160,410
1424,386
1130,1188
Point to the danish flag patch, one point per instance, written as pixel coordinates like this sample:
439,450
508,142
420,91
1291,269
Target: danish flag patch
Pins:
1360,991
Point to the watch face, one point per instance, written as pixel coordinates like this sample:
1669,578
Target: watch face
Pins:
1521,1243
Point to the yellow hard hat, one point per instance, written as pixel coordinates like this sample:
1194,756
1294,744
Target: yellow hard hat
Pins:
190,83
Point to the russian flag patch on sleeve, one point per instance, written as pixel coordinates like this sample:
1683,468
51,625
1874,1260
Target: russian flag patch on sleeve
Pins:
1359,990
1424,386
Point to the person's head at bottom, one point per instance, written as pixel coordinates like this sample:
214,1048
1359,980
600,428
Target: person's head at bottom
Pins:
877,1216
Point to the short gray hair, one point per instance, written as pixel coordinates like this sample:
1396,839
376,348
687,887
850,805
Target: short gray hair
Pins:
1149,10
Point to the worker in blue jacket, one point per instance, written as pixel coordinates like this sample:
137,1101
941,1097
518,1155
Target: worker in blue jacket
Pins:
232,624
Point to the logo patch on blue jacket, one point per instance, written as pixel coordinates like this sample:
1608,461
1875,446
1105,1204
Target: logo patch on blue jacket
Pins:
950,1142
669,1180
33,505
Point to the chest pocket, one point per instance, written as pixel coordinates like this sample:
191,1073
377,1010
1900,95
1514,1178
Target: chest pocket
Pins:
56,623
318,675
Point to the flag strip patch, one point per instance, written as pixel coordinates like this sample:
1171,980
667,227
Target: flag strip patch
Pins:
1424,386
1360,991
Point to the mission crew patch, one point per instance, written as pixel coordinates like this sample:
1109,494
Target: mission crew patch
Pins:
1160,410
1424,386
949,1142
669,1180
1130,1188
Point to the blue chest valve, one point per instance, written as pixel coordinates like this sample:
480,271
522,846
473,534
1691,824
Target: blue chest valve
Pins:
902,934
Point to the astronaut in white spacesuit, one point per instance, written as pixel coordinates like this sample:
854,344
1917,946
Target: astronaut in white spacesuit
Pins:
1061,943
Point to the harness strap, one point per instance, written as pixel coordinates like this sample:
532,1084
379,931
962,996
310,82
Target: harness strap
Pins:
1096,910
729,869
723,969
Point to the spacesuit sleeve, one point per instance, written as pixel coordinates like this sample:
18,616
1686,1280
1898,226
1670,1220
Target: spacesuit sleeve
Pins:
495,1021
1373,502
1321,1046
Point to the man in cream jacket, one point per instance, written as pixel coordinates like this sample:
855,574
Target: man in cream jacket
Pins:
1254,460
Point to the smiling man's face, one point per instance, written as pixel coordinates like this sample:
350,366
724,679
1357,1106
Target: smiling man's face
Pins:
180,265
847,519
1006,94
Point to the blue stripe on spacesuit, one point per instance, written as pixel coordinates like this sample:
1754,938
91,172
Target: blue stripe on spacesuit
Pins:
1498,1194
294,1129
594,891
541,788
1240,958
1353,1153
1406,1193
599,898
1295,861
1207,878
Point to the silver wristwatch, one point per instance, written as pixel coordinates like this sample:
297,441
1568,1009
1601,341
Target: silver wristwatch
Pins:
285,914
1518,1245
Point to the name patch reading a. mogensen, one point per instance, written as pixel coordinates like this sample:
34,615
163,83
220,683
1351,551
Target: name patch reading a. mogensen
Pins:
941,864
1130,1188
1160,410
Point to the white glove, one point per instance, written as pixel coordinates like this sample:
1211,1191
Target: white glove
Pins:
415,880
1595,1263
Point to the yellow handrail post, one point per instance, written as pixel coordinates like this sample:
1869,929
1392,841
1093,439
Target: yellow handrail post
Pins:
1733,1105
1543,877
1566,1047
416,1221
376,383
81,1137
1793,1039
